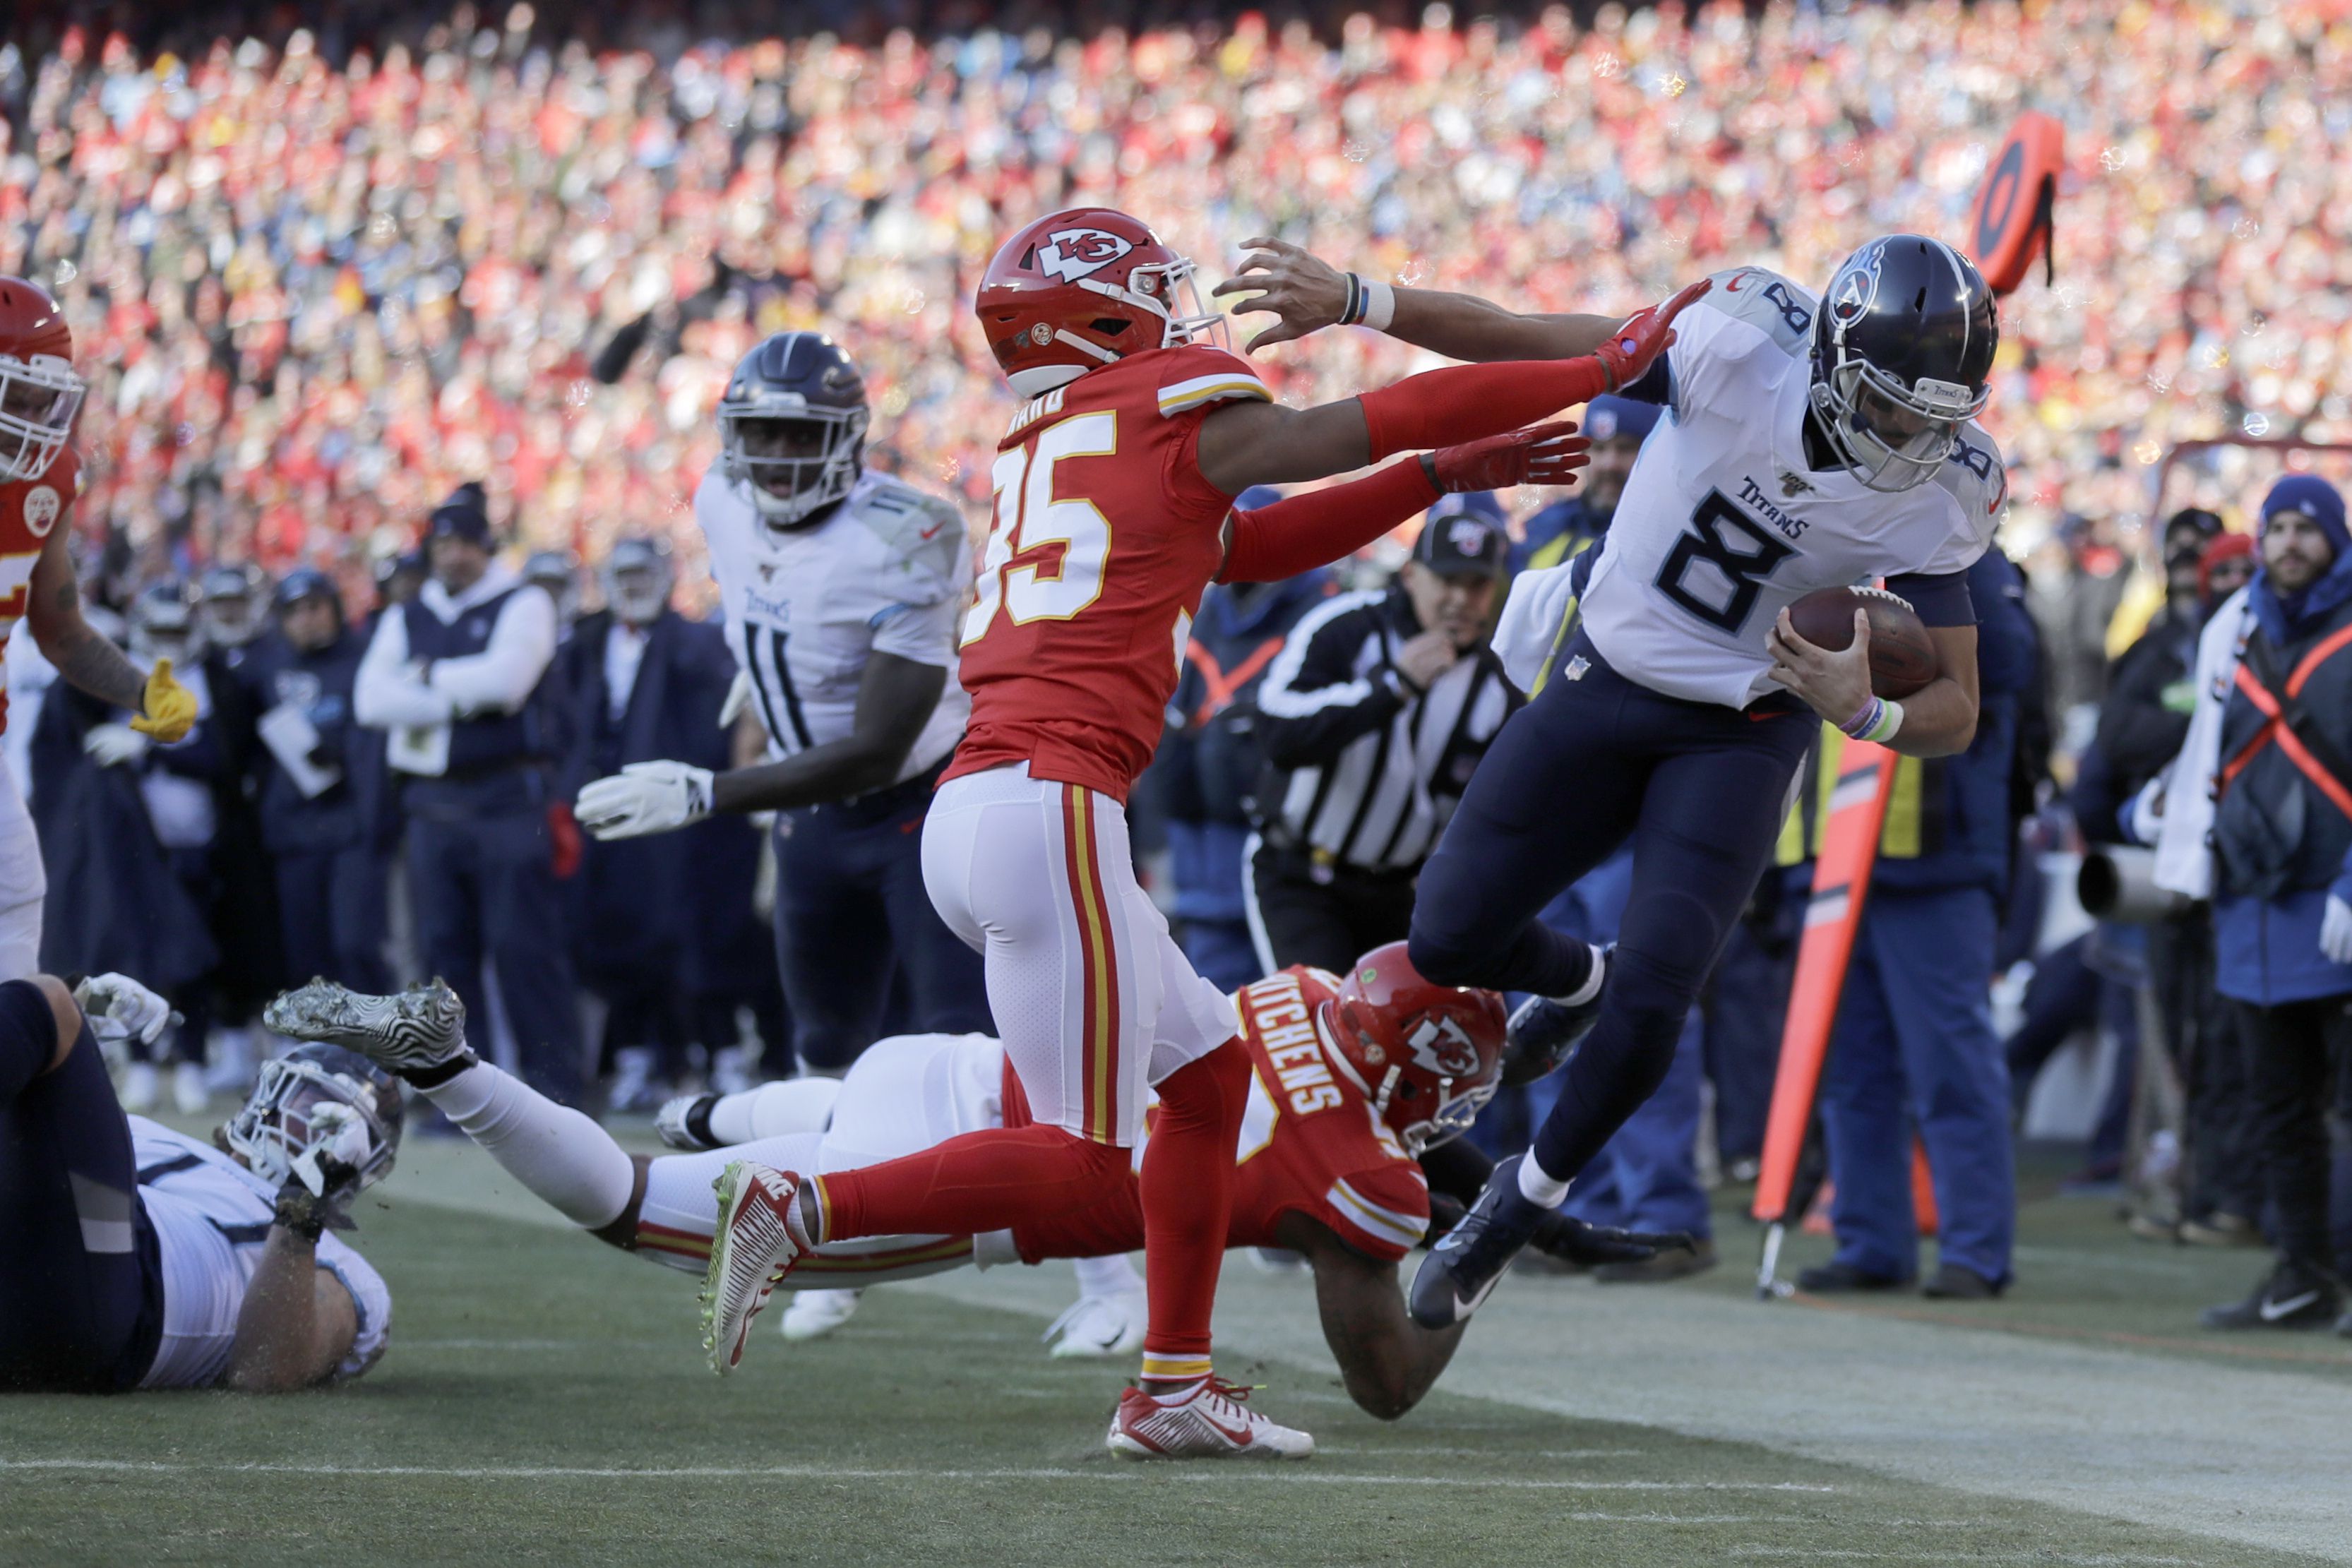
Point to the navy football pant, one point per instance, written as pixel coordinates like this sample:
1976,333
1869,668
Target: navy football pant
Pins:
850,909
332,915
1702,792
82,1301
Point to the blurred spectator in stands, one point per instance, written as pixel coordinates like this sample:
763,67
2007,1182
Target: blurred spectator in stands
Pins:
397,579
2075,591
1914,1042
233,611
320,780
558,571
1205,775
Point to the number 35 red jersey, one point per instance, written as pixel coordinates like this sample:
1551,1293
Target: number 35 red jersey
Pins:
1309,1144
29,513
1104,536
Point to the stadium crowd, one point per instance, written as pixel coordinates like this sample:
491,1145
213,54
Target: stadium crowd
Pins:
318,280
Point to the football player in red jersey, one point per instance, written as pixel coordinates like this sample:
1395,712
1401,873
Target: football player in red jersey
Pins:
1114,510
1349,1080
39,477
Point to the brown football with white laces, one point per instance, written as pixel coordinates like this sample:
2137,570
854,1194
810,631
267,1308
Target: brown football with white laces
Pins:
1902,658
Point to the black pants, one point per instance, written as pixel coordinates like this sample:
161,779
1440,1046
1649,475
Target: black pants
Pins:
1701,789
81,1293
2292,1053
2223,1172
1328,922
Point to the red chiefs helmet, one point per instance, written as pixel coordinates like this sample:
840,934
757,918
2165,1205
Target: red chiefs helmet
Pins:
1080,289
1429,1057
39,393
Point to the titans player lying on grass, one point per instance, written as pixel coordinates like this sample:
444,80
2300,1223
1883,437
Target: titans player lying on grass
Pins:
134,1257
1351,1078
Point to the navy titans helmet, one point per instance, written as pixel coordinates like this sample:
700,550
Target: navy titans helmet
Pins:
792,426
1903,345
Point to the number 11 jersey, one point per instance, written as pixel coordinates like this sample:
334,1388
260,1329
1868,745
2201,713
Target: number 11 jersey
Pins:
1104,536
1723,523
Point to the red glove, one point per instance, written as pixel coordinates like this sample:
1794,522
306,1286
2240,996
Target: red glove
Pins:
564,834
1645,336
1542,455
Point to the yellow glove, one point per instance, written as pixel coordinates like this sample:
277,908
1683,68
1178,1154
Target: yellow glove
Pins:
170,707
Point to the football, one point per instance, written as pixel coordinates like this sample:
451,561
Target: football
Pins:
1902,655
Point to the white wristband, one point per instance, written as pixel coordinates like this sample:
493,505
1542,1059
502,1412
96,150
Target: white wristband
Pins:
1889,721
1380,305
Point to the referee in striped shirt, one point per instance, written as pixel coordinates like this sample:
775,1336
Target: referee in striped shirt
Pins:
1371,719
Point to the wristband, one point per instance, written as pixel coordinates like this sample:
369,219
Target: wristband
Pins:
1378,306
1351,309
1878,720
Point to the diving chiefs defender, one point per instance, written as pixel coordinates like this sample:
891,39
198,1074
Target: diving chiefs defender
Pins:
39,476
1807,444
1348,1080
1114,510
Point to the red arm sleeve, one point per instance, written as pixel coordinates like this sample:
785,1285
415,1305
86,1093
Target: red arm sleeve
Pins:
1323,525
1462,403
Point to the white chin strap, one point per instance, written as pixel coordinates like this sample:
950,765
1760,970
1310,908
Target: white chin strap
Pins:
1039,380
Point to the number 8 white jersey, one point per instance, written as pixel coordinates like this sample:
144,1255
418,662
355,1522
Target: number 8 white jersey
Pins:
886,573
1723,524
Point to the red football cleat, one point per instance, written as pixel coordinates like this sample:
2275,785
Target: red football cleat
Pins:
1209,1420
759,1239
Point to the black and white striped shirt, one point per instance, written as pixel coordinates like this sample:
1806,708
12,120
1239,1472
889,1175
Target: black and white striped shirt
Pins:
1363,771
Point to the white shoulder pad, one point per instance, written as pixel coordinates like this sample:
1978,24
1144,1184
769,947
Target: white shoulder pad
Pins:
922,535
1975,478
1780,309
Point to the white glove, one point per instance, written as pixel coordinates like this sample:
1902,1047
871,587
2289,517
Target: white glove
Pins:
2335,931
645,798
119,1008
339,1133
112,745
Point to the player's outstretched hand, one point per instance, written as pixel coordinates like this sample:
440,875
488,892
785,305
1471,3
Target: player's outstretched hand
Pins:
1645,335
645,798
1589,1246
1538,454
1834,685
1304,293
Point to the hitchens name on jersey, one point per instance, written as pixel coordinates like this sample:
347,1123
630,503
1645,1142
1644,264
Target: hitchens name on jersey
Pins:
1285,1030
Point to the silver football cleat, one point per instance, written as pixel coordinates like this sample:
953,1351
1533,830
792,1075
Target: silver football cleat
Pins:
422,1028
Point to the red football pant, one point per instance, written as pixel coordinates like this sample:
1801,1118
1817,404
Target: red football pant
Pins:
1188,1200
991,1180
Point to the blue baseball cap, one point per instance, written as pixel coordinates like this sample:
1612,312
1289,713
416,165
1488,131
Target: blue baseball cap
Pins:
1610,418
1463,538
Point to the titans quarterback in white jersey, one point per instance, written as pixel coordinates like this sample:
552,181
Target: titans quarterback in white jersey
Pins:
1807,444
842,588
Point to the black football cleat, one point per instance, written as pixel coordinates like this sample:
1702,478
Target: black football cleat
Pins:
2292,1297
1542,1032
1462,1270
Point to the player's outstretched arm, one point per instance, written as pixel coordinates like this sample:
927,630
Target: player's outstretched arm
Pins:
1306,294
1270,543
297,1321
1938,720
89,661
1256,443
894,699
1388,1361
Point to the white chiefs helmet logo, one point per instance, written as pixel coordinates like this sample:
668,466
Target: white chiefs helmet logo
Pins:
1072,253
41,509
1442,1046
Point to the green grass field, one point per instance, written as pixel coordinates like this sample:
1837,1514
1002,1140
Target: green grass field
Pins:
544,1400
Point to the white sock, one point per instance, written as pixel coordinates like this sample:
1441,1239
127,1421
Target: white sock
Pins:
1111,1276
559,1153
1592,987
1545,1191
775,1110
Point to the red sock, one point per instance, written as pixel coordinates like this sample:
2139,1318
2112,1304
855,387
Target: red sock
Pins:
980,1181
1188,1198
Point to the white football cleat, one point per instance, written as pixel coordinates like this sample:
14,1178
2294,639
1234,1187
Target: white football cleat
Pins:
140,1084
758,1240
1101,1325
1207,1421
675,1121
816,1314
422,1028
189,1095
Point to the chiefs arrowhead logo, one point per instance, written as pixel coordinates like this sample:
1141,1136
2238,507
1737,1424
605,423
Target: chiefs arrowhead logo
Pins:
1072,253
41,509
1442,1046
